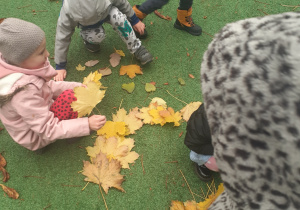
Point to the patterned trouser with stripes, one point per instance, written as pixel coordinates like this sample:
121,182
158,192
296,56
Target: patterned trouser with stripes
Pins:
120,24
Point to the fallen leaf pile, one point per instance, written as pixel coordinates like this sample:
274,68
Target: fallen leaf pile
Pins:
9,191
189,205
158,113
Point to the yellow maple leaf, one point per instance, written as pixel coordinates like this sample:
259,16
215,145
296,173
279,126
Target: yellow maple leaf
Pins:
177,205
103,172
93,77
111,129
172,116
116,148
190,205
133,123
95,150
211,198
188,110
157,118
131,70
144,115
87,98
120,52
80,67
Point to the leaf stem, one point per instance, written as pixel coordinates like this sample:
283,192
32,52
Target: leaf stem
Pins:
121,104
97,110
103,197
176,98
85,186
187,185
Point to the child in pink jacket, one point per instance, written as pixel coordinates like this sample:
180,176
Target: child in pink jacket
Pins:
34,109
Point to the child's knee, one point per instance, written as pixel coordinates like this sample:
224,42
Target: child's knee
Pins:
116,16
93,36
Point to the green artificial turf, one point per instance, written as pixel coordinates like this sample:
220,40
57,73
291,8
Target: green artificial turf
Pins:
50,180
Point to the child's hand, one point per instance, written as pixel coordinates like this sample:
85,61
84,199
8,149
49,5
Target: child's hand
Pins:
61,75
96,122
139,27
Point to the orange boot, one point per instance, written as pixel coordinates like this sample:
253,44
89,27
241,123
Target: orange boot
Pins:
185,22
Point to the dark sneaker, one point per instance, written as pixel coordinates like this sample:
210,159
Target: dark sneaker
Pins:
192,29
91,47
143,55
203,173
138,35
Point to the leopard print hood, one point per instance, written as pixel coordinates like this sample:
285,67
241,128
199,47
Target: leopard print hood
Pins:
251,86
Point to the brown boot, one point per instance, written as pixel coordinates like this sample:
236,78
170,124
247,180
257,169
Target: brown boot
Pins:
138,13
185,22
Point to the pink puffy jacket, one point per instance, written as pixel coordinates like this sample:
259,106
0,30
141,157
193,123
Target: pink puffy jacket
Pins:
26,115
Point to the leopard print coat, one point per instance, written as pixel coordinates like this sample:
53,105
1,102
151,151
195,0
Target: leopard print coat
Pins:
250,78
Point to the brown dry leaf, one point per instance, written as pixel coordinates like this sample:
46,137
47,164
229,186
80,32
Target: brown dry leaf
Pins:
188,110
162,16
153,83
105,71
180,134
103,172
5,174
187,54
114,59
10,192
131,70
2,169
191,76
91,63
2,161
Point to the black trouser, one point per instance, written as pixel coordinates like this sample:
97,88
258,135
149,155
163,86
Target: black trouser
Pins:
150,6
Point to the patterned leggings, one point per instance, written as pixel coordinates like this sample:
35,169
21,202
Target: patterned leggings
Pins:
119,23
62,106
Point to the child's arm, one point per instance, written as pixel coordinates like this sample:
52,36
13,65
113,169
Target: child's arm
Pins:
58,87
64,31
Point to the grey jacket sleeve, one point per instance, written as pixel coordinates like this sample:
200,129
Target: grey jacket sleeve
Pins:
64,31
124,7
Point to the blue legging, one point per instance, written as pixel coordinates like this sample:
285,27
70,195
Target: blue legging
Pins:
150,6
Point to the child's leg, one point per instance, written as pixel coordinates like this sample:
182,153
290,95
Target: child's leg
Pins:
62,106
93,35
199,159
185,4
150,6
123,27
211,164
